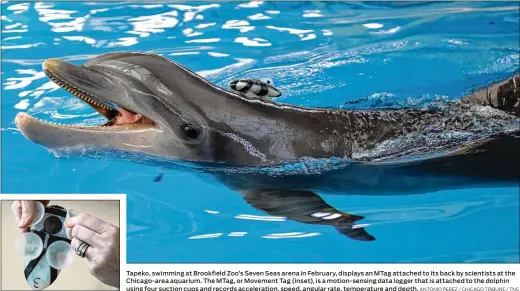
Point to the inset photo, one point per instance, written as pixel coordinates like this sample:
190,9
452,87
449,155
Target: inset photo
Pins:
49,242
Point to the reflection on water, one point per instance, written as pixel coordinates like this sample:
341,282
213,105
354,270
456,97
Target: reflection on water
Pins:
359,55
256,217
267,236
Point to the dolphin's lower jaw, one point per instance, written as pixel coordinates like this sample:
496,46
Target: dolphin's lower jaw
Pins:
122,126
58,136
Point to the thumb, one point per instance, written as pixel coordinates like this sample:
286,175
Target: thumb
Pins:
75,219
27,214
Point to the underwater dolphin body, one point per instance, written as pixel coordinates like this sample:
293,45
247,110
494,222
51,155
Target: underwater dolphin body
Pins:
278,156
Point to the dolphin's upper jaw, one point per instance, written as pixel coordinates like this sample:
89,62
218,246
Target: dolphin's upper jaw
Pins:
118,118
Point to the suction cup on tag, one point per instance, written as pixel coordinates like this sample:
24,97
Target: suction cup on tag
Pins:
60,255
29,245
39,212
70,213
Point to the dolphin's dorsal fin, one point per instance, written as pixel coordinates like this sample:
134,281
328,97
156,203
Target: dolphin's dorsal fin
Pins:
305,207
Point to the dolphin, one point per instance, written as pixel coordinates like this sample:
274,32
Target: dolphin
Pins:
277,156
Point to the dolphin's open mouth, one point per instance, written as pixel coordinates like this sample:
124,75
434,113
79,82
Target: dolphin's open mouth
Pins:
117,116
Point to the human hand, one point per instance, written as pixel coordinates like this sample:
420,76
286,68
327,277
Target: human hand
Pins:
102,256
23,212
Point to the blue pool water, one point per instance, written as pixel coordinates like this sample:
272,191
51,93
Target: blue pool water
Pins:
319,54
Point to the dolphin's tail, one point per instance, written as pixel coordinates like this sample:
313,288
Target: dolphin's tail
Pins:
504,96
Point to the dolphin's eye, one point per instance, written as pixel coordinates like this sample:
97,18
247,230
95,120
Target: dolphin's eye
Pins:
190,131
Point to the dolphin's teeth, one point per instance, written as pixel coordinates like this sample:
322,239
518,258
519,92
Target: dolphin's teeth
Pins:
94,101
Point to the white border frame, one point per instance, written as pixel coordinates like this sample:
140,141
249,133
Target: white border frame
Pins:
88,197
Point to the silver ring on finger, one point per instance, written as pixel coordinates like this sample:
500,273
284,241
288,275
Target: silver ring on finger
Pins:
82,249
76,250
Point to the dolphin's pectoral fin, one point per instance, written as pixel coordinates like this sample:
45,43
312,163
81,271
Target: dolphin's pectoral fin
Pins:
356,233
305,207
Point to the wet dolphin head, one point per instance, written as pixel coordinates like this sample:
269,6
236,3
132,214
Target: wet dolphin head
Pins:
152,106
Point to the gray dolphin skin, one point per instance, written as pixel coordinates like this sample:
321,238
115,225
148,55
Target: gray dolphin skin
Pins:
159,109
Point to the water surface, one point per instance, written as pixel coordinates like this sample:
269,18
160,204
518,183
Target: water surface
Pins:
322,54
